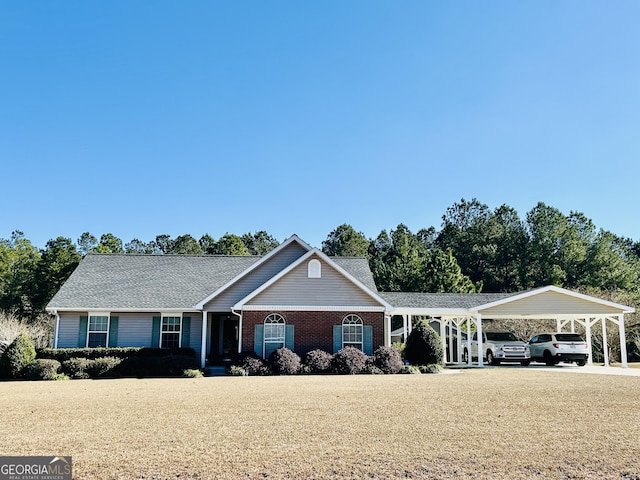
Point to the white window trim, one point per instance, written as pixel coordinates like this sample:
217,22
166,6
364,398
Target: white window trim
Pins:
314,268
264,335
361,325
162,332
89,331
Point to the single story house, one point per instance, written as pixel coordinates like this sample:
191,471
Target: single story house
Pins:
295,296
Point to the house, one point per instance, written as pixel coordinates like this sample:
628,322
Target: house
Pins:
295,297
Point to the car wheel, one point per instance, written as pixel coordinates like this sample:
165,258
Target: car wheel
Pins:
548,359
465,356
581,363
525,363
490,358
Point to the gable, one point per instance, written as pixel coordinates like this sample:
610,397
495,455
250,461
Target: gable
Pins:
549,303
246,284
332,288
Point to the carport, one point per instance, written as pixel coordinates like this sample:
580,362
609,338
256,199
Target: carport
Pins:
456,312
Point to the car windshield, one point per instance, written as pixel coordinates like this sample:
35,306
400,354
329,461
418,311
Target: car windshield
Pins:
501,337
568,337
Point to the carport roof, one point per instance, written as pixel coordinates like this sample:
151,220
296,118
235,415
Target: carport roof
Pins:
442,300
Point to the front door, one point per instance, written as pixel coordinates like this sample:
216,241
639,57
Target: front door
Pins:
224,337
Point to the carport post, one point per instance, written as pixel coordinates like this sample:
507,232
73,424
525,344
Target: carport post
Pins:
623,341
469,356
605,345
480,346
587,333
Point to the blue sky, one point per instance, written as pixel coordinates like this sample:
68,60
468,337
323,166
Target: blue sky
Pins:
145,118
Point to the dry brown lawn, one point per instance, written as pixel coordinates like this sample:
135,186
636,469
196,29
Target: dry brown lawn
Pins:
491,423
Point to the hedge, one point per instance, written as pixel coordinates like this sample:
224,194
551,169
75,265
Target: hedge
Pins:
63,354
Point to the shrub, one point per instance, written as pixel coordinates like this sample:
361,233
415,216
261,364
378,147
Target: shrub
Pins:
432,368
399,347
63,354
192,373
318,361
371,369
236,371
423,346
349,361
76,367
410,369
103,367
39,330
253,366
284,362
16,357
388,359
42,369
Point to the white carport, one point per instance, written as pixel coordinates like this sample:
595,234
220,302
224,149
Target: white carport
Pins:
455,311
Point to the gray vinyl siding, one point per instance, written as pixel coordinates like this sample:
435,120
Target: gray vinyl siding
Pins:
549,303
332,289
68,330
255,278
134,329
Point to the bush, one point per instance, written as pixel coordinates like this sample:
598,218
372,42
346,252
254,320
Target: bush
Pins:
387,359
104,367
39,330
371,369
424,346
399,347
349,361
42,369
253,366
76,367
284,362
63,354
236,371
16,357
432,368
410,369
318,361
192,373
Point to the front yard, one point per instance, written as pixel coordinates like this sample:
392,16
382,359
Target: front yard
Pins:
491,423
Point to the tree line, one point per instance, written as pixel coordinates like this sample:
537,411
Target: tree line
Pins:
476,249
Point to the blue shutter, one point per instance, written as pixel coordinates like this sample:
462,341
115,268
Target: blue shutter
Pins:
367,339
186,331
113,332
155,332
258,340
82,331
337,338
288,337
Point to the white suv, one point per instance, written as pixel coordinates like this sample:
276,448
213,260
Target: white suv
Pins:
553,348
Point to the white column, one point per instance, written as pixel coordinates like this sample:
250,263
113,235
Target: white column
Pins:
605,345
387,330
56,331
470,359
203,342
443,337
480,346
623,341
587,333
405,329
239,315
459,340
451,340
558,325
409,324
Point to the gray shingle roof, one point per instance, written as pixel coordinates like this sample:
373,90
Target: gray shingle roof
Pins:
162,281
442,300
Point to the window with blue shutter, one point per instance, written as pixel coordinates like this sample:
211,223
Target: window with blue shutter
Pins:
113,331
186,331
82,331
258,340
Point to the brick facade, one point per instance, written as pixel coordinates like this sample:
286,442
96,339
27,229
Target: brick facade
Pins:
312,329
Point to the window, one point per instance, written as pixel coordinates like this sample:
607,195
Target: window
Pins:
352,331
274,333
314,269
170,333
98,331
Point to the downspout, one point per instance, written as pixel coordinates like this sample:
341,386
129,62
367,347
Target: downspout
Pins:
239,315
56,330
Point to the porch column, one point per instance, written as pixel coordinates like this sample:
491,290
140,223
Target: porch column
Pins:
404,328
480,346
409,324
459,340
623,341
451,340
443,336
470,357
56,331
203,343
605,345
387,330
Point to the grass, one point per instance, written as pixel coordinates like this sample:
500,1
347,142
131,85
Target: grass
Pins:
490,423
